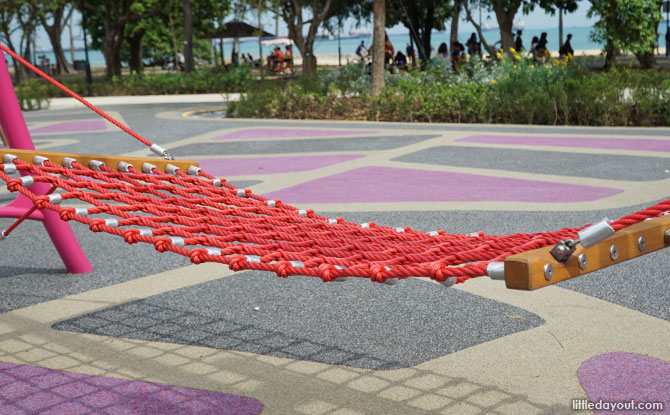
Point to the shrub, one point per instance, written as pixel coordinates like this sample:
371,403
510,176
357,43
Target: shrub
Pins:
32,94
509,90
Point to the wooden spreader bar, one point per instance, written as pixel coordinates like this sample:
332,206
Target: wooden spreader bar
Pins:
538,268
84,159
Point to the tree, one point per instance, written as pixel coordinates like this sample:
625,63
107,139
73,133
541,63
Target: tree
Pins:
420,17
18,16
113,17
505,11
379,32
58,12
292,13
560,7
453,35
626,25
188,36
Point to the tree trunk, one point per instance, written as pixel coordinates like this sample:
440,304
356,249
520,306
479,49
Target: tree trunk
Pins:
610,55
260,37
175,49
54,36
136,65
453,37
188,36
309,60
560,28
54,31
647,60
379,26
505,18
111,51
489,48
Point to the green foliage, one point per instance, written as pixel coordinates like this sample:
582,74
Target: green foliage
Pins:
32,95
629,24
511,90
199,81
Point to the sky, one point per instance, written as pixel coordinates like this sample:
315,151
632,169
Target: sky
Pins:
535,20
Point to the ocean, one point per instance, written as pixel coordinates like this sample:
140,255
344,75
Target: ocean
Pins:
580,41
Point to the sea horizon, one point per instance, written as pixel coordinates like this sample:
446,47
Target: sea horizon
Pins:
580,41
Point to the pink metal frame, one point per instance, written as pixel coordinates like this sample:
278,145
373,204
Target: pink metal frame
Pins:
16,133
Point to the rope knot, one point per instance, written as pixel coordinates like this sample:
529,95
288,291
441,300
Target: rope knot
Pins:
327,272
282,269
13,185
161,244
237,262
41,201
131,235
437,271
378,273
197,255
66,214
96,225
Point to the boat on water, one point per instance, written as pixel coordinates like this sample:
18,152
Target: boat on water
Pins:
358,34
518,24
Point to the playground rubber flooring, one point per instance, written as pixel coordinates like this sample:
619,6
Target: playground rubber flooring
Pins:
150,333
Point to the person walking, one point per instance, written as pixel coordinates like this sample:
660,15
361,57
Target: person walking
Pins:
541,47
667,42
361,50
411,55
518,42
566,50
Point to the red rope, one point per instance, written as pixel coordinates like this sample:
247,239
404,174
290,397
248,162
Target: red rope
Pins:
25,216
248,233
191,216
75,96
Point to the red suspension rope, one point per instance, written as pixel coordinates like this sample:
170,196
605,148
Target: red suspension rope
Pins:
75,96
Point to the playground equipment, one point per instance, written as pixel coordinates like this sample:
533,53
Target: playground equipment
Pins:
177,207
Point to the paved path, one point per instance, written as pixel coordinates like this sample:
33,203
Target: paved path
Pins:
148,332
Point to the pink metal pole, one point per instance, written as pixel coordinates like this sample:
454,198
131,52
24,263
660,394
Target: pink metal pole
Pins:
16,133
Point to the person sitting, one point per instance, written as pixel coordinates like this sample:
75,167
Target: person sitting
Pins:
288,58
279,59
400,61
533,47
457,50
473,45
272,57
566,50
443,54
389,52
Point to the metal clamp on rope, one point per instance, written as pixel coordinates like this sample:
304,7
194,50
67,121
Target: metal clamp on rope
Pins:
9,158
588,237
39,160
3,236
148,168
123,166
27,181
160,151
67,162
193,171
55,199
96,164
9,168
172,169
496,270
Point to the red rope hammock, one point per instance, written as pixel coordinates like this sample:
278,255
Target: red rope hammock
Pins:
209,220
